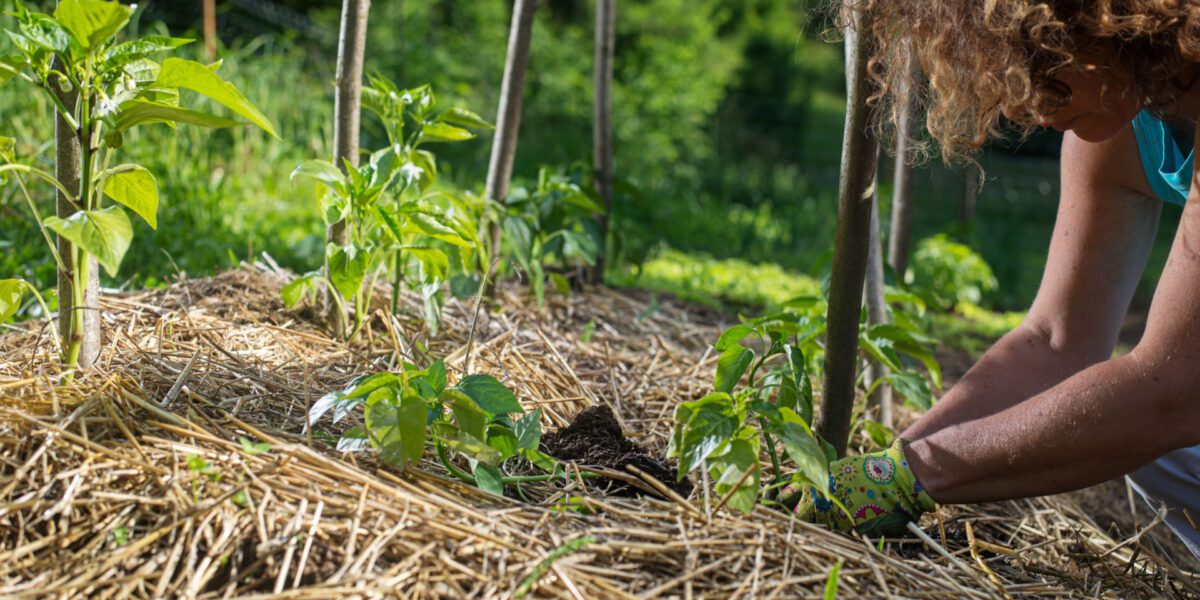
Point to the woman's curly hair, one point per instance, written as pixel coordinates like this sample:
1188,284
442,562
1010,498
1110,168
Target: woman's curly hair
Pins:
981,59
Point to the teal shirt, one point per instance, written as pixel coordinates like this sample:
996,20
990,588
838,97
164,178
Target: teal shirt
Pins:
1168,166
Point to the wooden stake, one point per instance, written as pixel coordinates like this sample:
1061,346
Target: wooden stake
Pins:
859,150
508,114
352,44
602,130
210,29
900,238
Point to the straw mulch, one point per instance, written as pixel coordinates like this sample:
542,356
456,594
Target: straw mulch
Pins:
97,499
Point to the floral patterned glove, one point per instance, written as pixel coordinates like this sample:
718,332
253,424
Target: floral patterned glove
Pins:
878,490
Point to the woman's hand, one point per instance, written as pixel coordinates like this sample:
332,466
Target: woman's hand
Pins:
875,494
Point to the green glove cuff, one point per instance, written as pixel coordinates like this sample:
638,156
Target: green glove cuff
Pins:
908,481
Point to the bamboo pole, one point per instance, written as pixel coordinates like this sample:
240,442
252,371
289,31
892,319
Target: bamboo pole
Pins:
508,113
900,238
859,150
602,131
352,42
74,322
877,309
210,29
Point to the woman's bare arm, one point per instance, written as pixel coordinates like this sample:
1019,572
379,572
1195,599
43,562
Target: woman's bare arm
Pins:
1104,421
1102,238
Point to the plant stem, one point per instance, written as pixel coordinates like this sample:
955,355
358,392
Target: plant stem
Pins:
397,279
37,216
771,449
465,477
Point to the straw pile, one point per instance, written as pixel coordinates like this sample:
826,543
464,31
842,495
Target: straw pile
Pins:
102,494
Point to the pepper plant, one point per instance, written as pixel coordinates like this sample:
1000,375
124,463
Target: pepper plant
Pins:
395,221
478,420
552,225
102,88
763,399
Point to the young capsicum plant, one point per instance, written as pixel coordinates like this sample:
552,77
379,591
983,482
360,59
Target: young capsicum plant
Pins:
102,88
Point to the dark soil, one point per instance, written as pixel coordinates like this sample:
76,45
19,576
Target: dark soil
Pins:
595,439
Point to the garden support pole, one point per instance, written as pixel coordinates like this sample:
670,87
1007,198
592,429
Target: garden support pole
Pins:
210,29
900,238
602,128
859,150
75,323
352,43
508,115
877,310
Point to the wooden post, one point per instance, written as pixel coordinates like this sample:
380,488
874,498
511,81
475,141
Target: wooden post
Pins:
900,239
210,29
352,42
82,322
508,114
602,129
877,309
859,151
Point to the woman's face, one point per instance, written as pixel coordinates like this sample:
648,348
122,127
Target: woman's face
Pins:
1102,103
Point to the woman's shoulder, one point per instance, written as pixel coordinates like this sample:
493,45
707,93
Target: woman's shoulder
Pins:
1115,162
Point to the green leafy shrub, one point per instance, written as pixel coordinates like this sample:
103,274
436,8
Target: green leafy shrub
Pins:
478,420
945,273
395,221
552,225
103,89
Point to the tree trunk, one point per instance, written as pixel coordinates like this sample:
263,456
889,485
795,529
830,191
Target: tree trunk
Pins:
74,322
900,239
210,29
602,131
352,43
859,150
508,115
877,310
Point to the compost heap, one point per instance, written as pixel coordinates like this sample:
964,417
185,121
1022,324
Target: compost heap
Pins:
147,477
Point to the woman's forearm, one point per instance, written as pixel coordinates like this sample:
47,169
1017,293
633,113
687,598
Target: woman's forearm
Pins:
1100,423
1019,366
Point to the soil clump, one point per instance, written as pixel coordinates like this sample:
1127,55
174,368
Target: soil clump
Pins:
595,439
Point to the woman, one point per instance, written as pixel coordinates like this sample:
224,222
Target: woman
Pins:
1047,409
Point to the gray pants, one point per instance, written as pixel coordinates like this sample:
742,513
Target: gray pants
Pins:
1174,481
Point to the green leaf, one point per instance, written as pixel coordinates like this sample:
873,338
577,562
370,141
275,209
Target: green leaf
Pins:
10,297
91,22
488,479
913,387
805,452
473,448
9,67
397,425
731,365
520,240
135,187
831,582
347,267
436,227
465,118
878,349
463,286
560,284
323,171
879,433
127,52
342,401
702,426
732,336
492,396
503,440
138,111
804,391
437,376
729,468
191,75
540,459
104,233
434,263
300,288
40,31
442,132
528,430
472,419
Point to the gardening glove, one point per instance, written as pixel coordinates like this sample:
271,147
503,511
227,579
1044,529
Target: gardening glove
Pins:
878,490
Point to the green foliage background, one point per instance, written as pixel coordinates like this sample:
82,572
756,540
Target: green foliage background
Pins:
728,121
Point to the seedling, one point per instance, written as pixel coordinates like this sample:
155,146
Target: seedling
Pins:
393,218
479,420
102,89
552,225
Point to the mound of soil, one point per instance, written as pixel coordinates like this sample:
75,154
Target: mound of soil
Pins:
595,439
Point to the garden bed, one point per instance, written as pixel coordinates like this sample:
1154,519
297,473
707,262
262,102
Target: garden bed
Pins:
180,466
